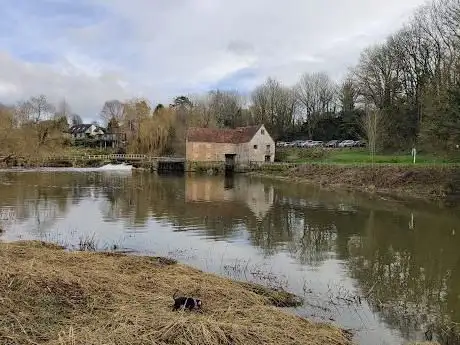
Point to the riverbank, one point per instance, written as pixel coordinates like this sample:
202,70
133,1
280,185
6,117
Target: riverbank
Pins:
439,182
52,296
433,182
359,156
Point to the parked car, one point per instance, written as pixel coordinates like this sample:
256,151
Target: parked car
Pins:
281,144
306,143
332,143
347,143
316,144
298,143
360,143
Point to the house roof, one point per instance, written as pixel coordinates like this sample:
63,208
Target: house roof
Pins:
79,128
82,128
238,135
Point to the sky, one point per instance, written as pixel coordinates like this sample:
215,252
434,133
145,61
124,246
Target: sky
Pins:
90,51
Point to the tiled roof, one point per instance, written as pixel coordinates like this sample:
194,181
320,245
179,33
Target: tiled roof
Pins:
215,135
83,128
79,128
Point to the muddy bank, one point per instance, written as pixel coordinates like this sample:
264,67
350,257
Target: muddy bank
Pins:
429,182
52,296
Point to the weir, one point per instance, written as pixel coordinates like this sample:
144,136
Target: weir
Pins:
164,166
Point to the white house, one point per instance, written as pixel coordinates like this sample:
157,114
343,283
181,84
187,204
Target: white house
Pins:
86,131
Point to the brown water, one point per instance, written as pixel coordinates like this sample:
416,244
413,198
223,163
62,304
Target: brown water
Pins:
388,269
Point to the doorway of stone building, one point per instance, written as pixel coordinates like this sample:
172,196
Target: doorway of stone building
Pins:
230,160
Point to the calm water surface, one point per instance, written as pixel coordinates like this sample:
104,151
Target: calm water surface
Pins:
387,269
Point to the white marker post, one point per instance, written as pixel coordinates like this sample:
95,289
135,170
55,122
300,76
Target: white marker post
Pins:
414,153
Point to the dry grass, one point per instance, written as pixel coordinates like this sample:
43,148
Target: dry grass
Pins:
50,296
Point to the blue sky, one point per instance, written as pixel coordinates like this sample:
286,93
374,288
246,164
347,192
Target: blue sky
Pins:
89,51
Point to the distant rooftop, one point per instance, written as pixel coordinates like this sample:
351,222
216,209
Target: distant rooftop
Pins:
82,128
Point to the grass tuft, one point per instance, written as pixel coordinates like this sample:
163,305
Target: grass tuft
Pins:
276,297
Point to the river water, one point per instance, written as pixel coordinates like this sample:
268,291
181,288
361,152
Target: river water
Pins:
388,269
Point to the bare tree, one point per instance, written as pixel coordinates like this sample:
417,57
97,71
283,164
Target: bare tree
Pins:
63,110
23,113
135,111
201,114
275,106
7,131
316,94
226,107
33,110
348,95
41,108
75,119
377,76
146,133
371,124
112,109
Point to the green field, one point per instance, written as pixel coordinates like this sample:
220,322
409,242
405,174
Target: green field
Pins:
357,156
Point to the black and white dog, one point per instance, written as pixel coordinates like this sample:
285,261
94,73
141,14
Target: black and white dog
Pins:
186,303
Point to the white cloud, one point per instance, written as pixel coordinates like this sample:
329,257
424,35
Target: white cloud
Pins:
162,49
85,92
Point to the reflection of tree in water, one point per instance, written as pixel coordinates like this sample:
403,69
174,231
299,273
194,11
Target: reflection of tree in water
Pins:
415,265
307,232
413,274
41,197
44,197
147,196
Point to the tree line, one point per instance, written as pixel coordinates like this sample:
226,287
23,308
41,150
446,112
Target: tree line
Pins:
402,92
34,127
315,108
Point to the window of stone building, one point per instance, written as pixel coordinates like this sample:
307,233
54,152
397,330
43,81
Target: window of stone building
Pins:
262,131
255,147
268,147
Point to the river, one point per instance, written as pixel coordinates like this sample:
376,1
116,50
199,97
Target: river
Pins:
388,269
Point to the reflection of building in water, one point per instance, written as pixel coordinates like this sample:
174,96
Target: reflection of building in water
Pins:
257,196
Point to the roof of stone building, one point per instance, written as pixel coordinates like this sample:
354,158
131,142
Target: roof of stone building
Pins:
238,135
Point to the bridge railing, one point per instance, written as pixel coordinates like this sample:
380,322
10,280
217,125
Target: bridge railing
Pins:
139,157
118,156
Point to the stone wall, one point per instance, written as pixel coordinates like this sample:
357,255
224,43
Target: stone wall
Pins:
209,152
260,146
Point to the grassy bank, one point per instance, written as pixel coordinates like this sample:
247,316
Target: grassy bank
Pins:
357,156
432,182
50,296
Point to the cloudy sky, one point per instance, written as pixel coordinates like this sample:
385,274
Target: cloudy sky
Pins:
89,51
